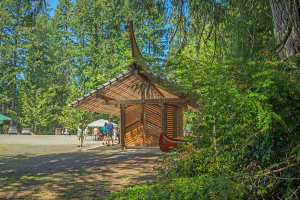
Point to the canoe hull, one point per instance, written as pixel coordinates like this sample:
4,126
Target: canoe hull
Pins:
166,143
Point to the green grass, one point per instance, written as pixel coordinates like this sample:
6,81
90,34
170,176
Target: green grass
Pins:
6,147
202,187
45,182
58,185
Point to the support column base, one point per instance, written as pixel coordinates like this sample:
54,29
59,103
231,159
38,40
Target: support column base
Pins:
123,148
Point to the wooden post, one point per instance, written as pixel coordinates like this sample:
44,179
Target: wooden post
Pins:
148,95
145,128
122,115
174,111
180,121
142,127
152,94
164,118
143,95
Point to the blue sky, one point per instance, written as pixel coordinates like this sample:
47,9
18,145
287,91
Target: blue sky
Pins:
53,4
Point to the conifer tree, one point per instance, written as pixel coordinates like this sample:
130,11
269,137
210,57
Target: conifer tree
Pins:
17,17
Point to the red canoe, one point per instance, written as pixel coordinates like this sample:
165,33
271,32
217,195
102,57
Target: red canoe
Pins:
166,142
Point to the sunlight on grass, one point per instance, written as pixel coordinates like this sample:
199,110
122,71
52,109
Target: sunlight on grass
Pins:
46,182
16,184
62,185
6,147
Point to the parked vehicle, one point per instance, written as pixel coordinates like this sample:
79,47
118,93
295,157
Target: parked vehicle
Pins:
12,130
26,131
66,131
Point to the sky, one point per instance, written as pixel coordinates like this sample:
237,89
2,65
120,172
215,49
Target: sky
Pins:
53,4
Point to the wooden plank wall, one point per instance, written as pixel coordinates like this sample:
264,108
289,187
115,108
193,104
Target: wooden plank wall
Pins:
164,117
122,119
174,120
153,124
179,121
143,123
134,129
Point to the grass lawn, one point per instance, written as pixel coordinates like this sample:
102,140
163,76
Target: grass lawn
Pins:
70,184
6,147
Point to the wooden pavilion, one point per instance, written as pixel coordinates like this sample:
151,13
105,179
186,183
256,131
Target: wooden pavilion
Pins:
143,117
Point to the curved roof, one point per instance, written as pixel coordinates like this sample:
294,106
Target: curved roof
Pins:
136,54
120,88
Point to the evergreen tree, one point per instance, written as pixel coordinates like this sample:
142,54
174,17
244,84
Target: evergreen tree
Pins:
17,17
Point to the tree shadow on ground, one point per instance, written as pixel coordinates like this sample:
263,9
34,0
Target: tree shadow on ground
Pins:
81,175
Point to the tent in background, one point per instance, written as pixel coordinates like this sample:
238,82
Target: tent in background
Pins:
4,120
99,123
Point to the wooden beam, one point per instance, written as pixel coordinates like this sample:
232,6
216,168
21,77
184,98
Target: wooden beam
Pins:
122,119
144,78
163,116
174,110
151,93
144,101
180,121
101,96
143,124
191,102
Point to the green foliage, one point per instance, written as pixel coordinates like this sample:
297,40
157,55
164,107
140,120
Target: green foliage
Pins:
5,129
251,98
255,107
62,57
218,51
200,187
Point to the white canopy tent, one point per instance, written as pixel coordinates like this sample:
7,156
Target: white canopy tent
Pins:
99,123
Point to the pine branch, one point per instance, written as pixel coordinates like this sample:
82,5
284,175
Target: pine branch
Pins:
214,15
258,176
237,18
178,21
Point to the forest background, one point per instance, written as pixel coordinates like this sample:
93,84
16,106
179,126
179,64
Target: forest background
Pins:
240,56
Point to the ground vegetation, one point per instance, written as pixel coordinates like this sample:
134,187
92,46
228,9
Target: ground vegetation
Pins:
239,58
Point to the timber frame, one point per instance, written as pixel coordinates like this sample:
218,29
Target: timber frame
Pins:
142,117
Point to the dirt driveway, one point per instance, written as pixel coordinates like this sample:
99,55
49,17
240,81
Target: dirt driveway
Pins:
61,170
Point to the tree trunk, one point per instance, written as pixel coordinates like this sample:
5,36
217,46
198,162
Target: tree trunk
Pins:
96,37
34,128
281,17
13,103
2,108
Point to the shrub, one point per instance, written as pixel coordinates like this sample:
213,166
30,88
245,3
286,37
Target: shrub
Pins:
200,187
5,129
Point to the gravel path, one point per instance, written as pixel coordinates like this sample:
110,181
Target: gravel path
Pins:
44,144
46,167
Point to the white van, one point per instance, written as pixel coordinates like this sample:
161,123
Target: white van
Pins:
66,131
